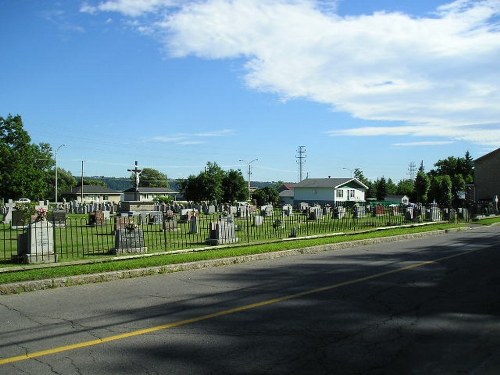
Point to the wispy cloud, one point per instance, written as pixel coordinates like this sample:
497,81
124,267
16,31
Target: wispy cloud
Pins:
436,74
423,143
189,139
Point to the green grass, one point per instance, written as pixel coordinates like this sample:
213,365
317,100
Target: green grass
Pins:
107,265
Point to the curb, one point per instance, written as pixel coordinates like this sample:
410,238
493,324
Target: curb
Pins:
31,286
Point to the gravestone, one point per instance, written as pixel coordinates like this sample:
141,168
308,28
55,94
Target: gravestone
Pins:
267,210
339,212
379,210
303,206
258,220
315,213
463,213
36,245
57,218
19,220
8,215
222,232
194,224
409,213
359,212
129,240
155,218
434,214
287,210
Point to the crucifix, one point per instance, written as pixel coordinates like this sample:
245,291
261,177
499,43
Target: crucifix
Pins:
137,172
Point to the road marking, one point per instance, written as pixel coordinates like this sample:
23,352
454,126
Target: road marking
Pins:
180,323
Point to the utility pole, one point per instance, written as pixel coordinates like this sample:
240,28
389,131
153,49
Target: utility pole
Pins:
249,175
81,192
55,158
301,159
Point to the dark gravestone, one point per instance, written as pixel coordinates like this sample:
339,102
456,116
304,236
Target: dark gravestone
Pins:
129,240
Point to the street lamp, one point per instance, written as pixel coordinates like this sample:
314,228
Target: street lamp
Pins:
55,158
249,174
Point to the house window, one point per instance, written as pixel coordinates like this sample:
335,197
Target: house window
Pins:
340,193
351,193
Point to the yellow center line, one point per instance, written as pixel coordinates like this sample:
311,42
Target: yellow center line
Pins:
180,323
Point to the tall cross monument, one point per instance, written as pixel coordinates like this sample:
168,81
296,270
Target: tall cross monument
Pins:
137,173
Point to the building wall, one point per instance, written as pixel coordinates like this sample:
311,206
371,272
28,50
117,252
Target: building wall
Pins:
318,195
328,195
487,176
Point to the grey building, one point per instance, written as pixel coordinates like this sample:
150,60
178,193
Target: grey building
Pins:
487,176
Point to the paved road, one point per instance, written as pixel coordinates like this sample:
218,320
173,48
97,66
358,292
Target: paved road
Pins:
427,306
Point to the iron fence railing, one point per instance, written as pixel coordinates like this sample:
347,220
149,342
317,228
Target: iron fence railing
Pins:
83,237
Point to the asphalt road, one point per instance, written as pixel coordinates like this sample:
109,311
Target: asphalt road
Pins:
426,306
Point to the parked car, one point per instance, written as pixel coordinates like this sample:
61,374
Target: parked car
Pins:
23,200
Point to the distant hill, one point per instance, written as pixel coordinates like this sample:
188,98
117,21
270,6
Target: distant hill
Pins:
124,183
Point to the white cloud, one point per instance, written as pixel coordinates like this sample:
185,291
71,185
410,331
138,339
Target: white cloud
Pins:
190,139
438,74
423,143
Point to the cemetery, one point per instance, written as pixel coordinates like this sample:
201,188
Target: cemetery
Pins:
77,230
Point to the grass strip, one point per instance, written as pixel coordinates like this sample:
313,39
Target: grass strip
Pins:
153,261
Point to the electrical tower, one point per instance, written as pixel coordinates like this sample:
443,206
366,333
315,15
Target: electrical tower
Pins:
412,170
301,159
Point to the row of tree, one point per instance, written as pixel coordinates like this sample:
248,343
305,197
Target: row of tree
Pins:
27,170
445,184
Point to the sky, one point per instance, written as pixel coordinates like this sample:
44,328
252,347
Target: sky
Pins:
374,85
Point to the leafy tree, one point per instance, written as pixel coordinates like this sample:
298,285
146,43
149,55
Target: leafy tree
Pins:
381,186
192,189
405,187
422,185
266,195
150,177
25,166
234,186
391,187
215,185
65,182
371,191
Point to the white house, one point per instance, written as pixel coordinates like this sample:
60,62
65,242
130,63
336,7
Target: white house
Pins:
329,191
94,193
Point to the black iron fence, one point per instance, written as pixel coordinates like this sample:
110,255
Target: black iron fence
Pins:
81,237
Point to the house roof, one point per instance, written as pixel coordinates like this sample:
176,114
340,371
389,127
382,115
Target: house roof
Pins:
286,194
333,183
287,186
489,155
152,190
94,189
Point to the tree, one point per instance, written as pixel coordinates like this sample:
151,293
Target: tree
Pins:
381,186
25,167
266,195
150,177
422,185
391,187
371,191
65,182
215,185
405,187
234,186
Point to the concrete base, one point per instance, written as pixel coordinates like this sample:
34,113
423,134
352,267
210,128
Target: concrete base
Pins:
132,250
222,241
35,258
136,206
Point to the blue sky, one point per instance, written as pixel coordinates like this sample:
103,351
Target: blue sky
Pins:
374,85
